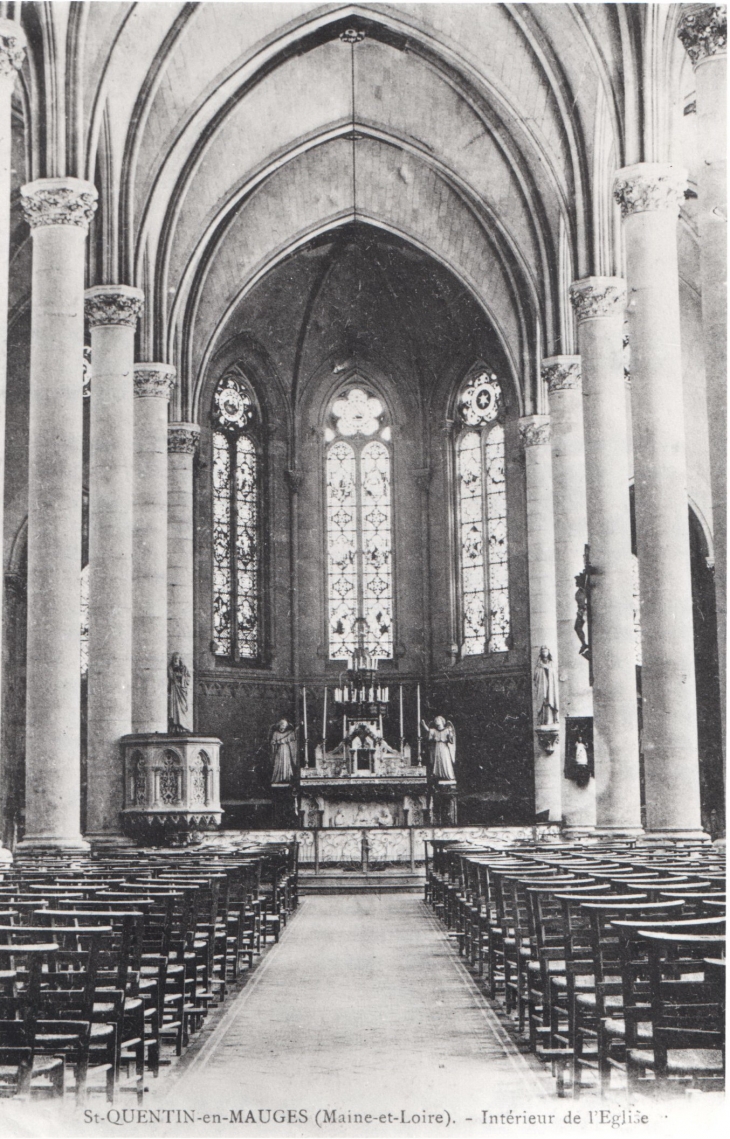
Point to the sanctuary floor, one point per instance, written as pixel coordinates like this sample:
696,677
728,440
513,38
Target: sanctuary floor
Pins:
363,1007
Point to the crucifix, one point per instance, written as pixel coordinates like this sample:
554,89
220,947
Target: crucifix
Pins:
583,616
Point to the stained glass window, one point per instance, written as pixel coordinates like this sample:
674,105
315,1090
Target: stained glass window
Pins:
482,526
85,620
637,608
359,525
236,523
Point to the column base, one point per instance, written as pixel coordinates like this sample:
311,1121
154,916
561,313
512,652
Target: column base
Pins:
104,840
690,835
52,843
579,830
6,856
618,832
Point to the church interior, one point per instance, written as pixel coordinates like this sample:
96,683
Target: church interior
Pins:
363,508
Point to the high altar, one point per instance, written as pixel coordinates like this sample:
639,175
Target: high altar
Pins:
363,781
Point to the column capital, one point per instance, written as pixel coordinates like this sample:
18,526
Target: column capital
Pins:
113,304
534,430
561,373
596,297
58,201
12,49
703,31
154,380
182,438
649,187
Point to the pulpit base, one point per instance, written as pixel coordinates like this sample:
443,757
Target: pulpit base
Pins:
171,788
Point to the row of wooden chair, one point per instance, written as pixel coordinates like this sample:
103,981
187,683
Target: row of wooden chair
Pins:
106,960
608,957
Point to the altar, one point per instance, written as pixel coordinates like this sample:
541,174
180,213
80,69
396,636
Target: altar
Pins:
363,781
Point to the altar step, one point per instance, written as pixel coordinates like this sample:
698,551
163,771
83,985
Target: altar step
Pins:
358,882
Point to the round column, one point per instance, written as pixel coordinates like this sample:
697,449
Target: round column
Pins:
12,54
59,211
152,386
112,312
703,31
649,195
563,379
182,442
599,304
535,435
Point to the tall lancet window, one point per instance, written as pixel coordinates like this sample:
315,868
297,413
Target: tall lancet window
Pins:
236,521
482,518
358,466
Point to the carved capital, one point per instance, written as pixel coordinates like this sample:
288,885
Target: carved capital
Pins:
113,304
12,49
58,201
154,381
703,31
182,438
534,430
596,297
561,373
649,187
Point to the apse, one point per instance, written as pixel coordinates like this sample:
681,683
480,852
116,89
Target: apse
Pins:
354,359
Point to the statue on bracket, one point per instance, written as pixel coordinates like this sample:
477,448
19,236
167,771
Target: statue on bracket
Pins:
546,688
441,737
283,752
178,682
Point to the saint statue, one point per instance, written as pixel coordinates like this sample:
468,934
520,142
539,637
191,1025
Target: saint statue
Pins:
546,688
442,748
283,752
178,682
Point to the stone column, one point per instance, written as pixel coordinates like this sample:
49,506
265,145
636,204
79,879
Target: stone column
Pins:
12,54
112,312
152,386
59,211
599,304
535,435
649,194
563,379
182,441
703,31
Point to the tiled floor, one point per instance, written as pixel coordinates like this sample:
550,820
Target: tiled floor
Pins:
362,1007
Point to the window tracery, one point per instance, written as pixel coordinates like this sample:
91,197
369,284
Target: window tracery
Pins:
359,524
236,522
482,518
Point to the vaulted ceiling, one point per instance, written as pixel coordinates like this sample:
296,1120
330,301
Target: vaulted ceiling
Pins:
224,137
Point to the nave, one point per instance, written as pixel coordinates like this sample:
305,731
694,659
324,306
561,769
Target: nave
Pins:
364,1004
530,972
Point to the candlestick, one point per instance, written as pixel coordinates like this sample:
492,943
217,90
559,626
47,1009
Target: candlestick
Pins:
400,699
418,718
306,733
324,722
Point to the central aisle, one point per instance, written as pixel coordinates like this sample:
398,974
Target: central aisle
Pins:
363,1005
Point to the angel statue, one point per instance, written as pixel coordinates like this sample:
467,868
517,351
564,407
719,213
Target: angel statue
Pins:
442,748
283,752
178,681
546,688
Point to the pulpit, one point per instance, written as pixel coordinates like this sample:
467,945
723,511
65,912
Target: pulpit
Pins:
171,786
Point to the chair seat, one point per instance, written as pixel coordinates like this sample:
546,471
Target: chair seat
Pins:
101,1031
682,1061
611,1000
615,1027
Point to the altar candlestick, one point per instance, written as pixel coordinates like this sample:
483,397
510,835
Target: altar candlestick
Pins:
418,718
400,698
324,722
306,734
